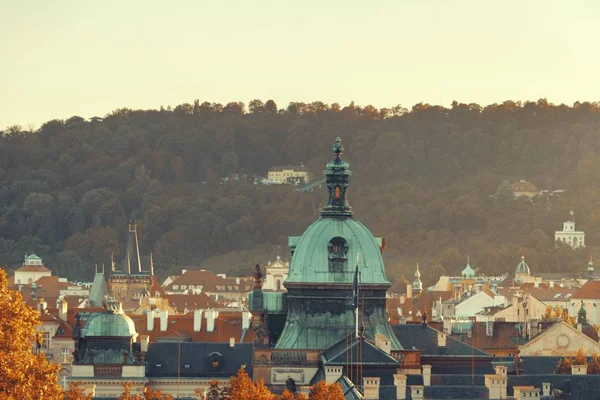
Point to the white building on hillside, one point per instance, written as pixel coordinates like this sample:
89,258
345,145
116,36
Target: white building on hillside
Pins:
569,235
32,270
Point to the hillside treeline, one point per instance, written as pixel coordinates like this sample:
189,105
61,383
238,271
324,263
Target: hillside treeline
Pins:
429,180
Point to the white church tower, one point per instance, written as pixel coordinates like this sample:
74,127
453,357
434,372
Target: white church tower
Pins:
569,235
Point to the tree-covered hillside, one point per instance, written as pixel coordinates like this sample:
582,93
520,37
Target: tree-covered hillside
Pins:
428,179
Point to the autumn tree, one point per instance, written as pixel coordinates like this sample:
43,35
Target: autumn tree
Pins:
563,366
580,358
74,392
242,388
594,365
323,391
24,374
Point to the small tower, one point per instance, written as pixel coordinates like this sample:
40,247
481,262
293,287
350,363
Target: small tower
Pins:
522,272
581,315
417,284
591,272
468,272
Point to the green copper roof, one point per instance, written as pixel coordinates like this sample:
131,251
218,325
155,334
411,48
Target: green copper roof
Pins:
468,272
98,290
522,268
311,260
109,324
32,257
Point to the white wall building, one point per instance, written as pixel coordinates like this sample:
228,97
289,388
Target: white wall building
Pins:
570,236
475,304
32,270
277,273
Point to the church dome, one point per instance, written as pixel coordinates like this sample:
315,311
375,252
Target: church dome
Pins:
522,268
326,253
110,324
468,272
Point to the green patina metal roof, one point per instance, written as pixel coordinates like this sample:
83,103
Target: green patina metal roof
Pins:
98,291
310,263
273,302
522,268
109,324
468,272
32,257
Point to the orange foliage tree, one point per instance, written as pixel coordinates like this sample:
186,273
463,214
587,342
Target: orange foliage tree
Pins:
594,365
23,374
148,394
323,391
75,393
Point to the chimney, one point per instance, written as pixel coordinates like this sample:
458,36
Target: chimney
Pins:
448,325
546,388
536,284
332,374
164,320
231,342
150,321
441,339
417,392
409,291
400,383
383,342
246,319
371,388
496,385
551,284
399,311
63,310
579,369
426,375
144,341
500,370
197,320
211,315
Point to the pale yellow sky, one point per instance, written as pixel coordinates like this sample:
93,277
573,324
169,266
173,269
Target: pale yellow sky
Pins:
71,57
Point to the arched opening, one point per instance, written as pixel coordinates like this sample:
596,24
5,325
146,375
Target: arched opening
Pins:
277,284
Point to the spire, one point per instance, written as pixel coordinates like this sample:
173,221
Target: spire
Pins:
417,284
151,265
591,264
417,272
337,174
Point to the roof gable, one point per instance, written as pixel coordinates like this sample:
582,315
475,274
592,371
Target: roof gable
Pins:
549,340
425,338
355,349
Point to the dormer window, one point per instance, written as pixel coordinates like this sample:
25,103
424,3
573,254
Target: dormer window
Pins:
338,254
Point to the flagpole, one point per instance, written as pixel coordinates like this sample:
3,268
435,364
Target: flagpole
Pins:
356,305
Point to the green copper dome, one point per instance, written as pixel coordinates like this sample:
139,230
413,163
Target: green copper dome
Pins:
326,253
468,272
522,268
110,324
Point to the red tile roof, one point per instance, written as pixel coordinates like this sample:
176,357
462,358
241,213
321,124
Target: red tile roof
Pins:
33,268
227,325
210,282
179,302
590,290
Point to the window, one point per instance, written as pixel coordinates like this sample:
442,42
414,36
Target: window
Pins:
183,287
65,355
175,287
45,340
338,250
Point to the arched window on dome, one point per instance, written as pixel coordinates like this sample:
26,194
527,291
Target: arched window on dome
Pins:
338,254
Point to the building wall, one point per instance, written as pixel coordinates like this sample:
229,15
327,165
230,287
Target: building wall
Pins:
574,239
25,277
282,176
560,340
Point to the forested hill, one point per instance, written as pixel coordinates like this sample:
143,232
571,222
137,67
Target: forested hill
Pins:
427,179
